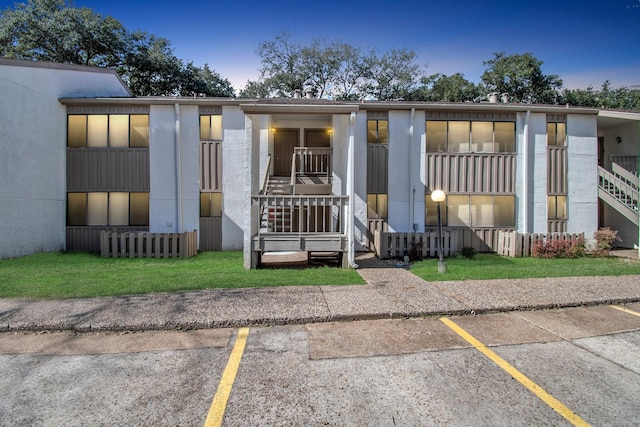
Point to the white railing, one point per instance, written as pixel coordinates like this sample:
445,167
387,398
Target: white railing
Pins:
284,214
621,189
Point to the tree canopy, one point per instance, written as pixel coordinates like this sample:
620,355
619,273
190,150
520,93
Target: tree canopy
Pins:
55,31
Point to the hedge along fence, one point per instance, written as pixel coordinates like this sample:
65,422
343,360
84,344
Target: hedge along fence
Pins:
148,245
397,245
518,245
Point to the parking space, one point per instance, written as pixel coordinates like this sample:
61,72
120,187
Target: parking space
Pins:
379,372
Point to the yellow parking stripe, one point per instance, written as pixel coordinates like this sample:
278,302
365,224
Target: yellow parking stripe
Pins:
626,310
555,404
219,404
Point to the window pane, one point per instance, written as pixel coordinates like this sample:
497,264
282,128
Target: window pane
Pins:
436,137
139,131
562,207
77,209
482,137
505,137
118,208
561,134
139,209
205,128
77,131
383,132
97,212
382,206
97,131
551,134
118,130
459,137
216,204
377,206
551,207
205,205
431,215
216,127
372,131
504,211
458,211
482,211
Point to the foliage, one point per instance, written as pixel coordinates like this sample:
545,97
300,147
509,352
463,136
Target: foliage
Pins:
604,241
332,69
559,249
521,77
607,97
55,31
80,275
468,252
443,88
488,267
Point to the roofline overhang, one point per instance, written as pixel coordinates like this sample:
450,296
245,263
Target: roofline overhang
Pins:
160,100
258,108
626,115
477,106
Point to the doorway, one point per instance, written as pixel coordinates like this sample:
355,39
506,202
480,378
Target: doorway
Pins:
284,141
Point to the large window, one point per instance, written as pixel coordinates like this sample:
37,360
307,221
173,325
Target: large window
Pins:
460,136
472,211
108,130
108,208
377,206
211,127
378,131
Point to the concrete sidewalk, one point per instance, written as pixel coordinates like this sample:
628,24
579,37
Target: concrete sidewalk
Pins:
389,293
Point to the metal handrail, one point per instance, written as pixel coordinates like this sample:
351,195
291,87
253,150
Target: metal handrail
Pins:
265,179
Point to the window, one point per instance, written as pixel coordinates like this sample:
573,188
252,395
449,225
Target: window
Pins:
113,208
211,127
378,131
557,134
210,205
108,130
458,136
556,207
460,210
377,206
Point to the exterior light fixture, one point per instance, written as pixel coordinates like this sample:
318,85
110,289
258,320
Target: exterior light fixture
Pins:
438,196
330,131
273,131
618,139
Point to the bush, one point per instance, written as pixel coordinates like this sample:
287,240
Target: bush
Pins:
604,240
559,249
468,252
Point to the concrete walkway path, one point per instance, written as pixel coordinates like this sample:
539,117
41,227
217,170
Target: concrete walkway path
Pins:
389,293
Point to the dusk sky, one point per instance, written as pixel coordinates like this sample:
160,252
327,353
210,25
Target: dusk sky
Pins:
584,42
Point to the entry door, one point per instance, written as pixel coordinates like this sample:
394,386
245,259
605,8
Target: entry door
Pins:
284,141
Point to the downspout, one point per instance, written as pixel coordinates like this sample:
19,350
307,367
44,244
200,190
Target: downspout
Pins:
178,169
525,173
413,192
351,191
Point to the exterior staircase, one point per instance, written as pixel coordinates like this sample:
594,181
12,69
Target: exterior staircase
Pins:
277,219
619,189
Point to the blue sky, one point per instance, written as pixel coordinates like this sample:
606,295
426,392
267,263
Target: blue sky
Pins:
584,42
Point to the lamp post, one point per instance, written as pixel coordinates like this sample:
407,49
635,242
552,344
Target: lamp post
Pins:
438,196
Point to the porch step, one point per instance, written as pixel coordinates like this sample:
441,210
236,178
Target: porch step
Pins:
279,185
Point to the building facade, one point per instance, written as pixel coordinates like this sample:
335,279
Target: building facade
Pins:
80,155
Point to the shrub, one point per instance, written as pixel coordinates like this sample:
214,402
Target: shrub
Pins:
604,240
559,249
468,252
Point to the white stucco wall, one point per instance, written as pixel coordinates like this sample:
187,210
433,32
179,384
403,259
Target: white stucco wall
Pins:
360,178
33,147
235,165
582,174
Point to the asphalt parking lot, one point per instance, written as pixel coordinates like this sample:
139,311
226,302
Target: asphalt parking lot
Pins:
548,367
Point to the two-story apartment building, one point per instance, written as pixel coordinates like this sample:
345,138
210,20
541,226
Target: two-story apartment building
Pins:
79,154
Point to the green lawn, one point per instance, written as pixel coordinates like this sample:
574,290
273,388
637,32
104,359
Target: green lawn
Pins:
484,266
78,275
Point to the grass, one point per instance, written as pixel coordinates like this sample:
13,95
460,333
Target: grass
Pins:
486,267
80,275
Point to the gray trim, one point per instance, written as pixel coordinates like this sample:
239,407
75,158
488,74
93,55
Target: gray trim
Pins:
556,118
377,115
490,116
108,109
210,109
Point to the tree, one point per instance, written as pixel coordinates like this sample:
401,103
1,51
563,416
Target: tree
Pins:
619,99
392,75
521,77
443,88
53,30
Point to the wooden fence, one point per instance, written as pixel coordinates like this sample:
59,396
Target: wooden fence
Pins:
148,245
517,245
397,245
